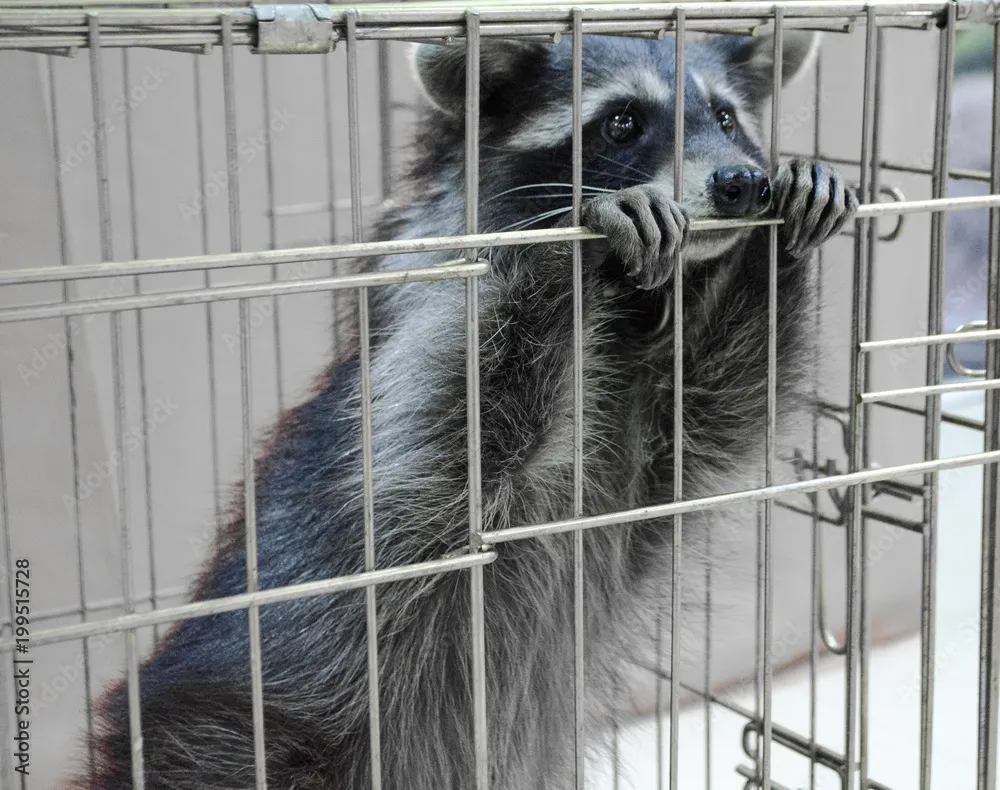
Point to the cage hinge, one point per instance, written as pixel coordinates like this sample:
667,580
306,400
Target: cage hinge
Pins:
299,29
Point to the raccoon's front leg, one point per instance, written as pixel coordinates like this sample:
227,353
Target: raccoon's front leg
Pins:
645,230
815,203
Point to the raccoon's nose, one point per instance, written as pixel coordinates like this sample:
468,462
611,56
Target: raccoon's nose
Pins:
740,191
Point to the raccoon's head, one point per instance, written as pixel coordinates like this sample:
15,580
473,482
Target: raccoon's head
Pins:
628,123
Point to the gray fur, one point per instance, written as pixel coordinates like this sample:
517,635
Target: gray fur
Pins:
195,706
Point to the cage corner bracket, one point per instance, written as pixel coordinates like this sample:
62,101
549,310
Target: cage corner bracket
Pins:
294,29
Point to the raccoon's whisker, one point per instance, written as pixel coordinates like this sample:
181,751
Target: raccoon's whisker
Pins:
548,195
541,186
544,158
536,218
622,178
642,173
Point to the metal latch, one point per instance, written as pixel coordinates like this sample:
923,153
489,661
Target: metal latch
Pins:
293,29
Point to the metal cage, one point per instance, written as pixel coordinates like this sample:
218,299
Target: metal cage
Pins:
280,243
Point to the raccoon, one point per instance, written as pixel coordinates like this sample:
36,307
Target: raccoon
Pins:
196,707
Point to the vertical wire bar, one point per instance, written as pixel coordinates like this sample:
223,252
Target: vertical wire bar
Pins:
250,520
579,635
758,697
272,226
864,617
661,717
856,538
73,414
707,702
817,524
326,64
772,394
354,131
989,615
385,117
246,407
932,418
6,755
213,408
477,596
873,186
140,341
872,244
117,375
680,81
100,136
232,163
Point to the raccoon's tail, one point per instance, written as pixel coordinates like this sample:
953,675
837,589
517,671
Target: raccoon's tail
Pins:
199,736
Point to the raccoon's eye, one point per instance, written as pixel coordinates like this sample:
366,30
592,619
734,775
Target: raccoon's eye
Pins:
623,127
726,120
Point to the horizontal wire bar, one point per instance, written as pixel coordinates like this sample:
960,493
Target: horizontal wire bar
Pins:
76,610
655,26
787,738
951,419
436,12
16,26
322,207
736,497
272,288
954,173
365,6
166,39
932,389
499,19
294,255
41,42
836,411
25,13
932,204
368,7
354,581
58,5
931,340
433,244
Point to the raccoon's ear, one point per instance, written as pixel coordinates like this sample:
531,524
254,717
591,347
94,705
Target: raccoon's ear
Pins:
750,60
440,71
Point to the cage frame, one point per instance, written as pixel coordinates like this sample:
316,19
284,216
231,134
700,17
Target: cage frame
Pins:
65,26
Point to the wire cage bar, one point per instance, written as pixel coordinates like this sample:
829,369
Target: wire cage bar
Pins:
45,292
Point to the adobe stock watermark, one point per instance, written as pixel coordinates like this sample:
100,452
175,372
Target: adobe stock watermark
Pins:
804,113
262,309
67,675
74,156
971,290
247,151
201,544
160,411
965,641
788,643
42,356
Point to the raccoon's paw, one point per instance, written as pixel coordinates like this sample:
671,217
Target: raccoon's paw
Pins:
645,230
815,203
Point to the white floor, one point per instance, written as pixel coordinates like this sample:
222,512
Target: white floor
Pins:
894,705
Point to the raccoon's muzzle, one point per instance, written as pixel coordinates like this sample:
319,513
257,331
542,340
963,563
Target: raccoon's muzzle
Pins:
739,191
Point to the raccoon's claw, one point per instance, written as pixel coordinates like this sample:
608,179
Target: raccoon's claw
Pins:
815,203
645,230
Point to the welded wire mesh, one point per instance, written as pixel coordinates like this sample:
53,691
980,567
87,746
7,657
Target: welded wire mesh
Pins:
216,36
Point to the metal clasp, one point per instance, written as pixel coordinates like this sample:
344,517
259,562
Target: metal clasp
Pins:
293,29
